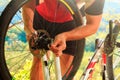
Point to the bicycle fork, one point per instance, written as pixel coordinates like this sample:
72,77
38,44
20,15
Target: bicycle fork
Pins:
46,69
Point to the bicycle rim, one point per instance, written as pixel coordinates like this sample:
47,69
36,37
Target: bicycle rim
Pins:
7,27
14,50
113,66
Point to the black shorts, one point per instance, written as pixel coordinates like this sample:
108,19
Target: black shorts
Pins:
55,28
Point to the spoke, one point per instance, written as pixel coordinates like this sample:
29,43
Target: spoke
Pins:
116,62
26,74
21,64
15,24
117,55
16,56
24,58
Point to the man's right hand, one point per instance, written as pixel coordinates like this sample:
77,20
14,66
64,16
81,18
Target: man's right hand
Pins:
59,44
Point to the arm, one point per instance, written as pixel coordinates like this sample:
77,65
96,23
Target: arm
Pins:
28,13
93,10
84,31
90,28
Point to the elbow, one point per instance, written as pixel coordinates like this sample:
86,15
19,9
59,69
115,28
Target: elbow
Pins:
95,30
93,27
93,23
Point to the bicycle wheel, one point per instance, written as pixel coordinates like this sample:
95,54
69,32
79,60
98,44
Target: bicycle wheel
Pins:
14,52
113,63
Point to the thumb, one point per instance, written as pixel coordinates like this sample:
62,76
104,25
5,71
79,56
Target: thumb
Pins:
58,54
55,43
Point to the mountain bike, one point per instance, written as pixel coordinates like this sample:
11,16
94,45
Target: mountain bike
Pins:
107,53
15,56
111,48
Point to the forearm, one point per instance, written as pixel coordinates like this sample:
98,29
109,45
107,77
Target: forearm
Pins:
28,14
79,33
84,31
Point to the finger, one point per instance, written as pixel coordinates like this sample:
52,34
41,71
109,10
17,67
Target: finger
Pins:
55,43
54,50
58,54
61,47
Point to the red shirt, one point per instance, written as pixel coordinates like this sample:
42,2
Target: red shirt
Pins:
54,11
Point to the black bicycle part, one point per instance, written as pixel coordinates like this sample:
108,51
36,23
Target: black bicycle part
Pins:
5,19
118,44
41,40
109,46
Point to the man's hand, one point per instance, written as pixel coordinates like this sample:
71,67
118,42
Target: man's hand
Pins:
59,44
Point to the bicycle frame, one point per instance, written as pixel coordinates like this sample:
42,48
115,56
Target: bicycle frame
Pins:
98,56
57,68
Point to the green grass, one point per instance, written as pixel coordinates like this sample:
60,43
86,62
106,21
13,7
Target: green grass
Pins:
24,72
85,61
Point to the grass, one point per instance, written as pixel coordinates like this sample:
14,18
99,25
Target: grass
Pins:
24,71
24,68
85,61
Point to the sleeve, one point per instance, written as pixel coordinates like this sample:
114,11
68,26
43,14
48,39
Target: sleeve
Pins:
96,8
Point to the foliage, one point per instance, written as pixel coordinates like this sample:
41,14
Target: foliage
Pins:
24,73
